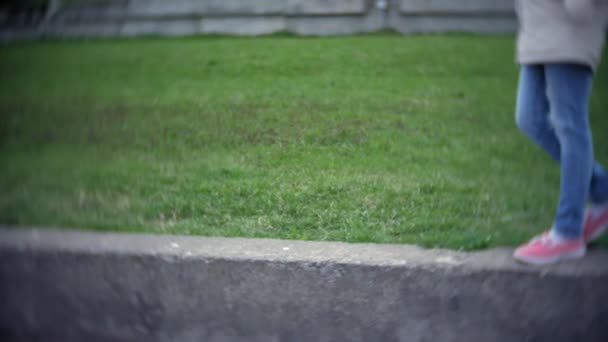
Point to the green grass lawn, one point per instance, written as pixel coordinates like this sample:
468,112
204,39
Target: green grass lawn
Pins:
375,138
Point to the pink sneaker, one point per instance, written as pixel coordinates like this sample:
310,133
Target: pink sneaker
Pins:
544,250
596,221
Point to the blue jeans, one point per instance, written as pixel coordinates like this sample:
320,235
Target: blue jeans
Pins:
552,109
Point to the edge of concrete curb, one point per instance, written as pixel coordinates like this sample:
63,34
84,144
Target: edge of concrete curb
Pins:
79,285
274,250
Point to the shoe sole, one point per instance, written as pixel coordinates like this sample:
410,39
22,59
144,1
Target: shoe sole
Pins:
539,261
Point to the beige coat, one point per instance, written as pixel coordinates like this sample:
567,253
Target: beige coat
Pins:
561,31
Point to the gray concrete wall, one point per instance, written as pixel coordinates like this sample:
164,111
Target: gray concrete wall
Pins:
246,17
482,16
76,286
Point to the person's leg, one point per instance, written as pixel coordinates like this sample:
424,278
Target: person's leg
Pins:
568,91
559,134
598,190
532,109
532,118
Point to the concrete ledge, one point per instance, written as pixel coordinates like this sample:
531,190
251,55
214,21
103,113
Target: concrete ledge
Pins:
118,18
70,285
239,7
469,7
333,25
154,9
438,24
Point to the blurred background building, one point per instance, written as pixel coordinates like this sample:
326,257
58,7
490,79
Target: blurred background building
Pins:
250,17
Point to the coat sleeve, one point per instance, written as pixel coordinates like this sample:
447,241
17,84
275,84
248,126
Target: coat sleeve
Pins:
580,10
